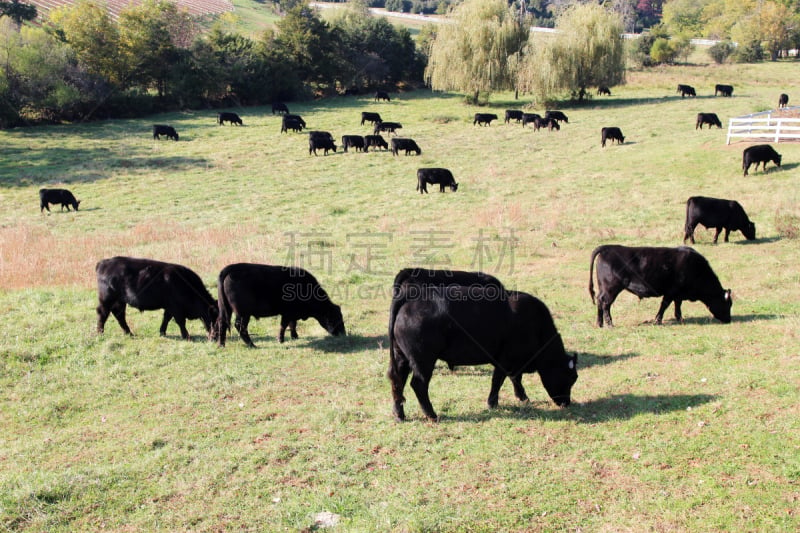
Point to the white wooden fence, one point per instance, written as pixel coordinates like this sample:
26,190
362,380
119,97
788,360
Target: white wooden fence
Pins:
765,126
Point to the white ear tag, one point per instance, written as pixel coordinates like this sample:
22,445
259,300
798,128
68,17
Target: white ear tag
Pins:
571,364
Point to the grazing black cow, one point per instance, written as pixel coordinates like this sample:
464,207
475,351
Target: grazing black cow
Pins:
557,115
409,145
551,124
611,133
718,214
513,114
761,153
354,141
292,122
382,95
484,119
677,274
724,90
686,90
468,325
148,285
389,127
603,90
413,281
707,118
783,100
372,118
376,141
321,142
530,118
168,131
252,290
57,196
435,176
233,118
320,134
279,107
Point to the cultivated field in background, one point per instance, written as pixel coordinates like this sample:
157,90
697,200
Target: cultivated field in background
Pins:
679,427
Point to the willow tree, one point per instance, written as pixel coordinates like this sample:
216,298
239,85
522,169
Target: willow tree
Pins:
477,49
587,50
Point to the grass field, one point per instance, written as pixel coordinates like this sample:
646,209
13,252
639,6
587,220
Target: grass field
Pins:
682,427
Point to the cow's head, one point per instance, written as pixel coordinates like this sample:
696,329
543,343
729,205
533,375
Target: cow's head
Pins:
558,380
210,322
778,160
332,320
749,231
76,204
720,307
454,186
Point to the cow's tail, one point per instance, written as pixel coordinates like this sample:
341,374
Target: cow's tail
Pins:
223,319
399,298
595,252
687,230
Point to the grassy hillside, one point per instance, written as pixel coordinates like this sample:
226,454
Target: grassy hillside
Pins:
681,427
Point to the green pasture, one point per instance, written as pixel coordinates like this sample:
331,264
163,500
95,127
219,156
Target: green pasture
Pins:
680,427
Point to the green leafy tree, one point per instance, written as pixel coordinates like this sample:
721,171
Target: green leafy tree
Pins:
308,43
151,34
587,51
478,50
89,29
684,16
17,11
773,25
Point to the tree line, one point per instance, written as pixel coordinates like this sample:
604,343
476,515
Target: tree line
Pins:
81,64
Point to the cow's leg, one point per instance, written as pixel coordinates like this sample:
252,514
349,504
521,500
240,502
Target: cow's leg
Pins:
399,370
604,301
293,328
727,233
519,390
420,380
663,307
241,326
118,309
678,314
167,317
498,377
291,324
181,321
102,316
716,235
688,234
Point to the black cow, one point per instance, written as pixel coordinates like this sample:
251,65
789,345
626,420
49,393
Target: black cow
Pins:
372,118
413,281
686,90
57,196
376,141
148,285
382,95
677,274
707,118
611,133
409,145
468,325
168,131
355,141
530,118
320,142
233,118
761,153
604,90
556,115
550,123
724,90
320,134
292,122
513,114
783,100
279,107
389,127
252,290
484,119
435,176
718,214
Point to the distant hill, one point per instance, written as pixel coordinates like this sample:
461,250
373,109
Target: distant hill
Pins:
195,7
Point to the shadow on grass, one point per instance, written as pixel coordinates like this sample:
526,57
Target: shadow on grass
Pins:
347,343
613,408
762,240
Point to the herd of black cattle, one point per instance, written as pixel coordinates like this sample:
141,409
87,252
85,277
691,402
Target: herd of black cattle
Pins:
462,318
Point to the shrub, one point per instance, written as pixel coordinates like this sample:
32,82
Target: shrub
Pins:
749,52
721,51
